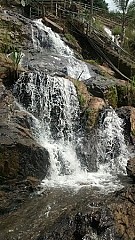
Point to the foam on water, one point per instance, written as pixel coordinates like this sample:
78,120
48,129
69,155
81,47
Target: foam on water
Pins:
45,39
54,103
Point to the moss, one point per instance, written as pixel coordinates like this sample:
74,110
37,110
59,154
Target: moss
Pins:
122,92
132,132
83,94
92,117
71,38
89,114
72,42
92,62
10,36
112,97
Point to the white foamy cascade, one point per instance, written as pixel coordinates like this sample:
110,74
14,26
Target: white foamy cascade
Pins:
45,39
54,103
109,33
111,148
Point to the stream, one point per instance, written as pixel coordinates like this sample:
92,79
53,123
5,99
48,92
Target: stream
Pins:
72,188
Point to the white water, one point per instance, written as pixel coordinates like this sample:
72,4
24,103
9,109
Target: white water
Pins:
109,33
55,104
111,142
45,39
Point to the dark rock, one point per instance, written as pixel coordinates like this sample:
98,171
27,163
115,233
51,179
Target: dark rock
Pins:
19,160
123,210
131,168
20,154
125,114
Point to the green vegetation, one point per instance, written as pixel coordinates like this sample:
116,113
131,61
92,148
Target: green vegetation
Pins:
126,94
112,97
98,25
72,42
125,8
101,4
16,56
116,30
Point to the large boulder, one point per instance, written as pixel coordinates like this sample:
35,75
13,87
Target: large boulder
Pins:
131,168
20,154
90,105
123,210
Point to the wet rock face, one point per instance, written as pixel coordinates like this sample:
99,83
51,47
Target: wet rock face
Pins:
96,224
124,213
131,168
20,155
125,113
23,160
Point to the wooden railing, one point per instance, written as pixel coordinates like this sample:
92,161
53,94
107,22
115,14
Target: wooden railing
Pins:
79,13
84,24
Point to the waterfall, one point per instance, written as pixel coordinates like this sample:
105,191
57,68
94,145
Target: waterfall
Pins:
52,100
46,42
111,148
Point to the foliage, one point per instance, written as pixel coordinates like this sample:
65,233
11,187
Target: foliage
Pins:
122,5
125,8
16,56
133,82
98,4
101,4
116,30
98,25
112,97
72,40
131,14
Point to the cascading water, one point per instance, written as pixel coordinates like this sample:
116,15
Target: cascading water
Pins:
111,148
53,102
50,46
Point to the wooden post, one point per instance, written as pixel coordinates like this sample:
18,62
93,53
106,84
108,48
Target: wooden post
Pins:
30,12
64,4
79,11
51,5
91,16
44,11
38,11
56,13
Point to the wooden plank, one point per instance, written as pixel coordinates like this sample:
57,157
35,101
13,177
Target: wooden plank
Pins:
55,27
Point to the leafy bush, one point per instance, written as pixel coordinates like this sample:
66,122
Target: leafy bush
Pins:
116,30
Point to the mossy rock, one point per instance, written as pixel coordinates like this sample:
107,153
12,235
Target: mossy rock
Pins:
90,106
111,96
122,92
126,95
72,42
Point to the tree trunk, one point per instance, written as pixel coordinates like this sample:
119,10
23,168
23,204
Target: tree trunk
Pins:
123,28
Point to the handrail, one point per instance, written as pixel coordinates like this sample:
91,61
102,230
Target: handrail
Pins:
96,32
80,15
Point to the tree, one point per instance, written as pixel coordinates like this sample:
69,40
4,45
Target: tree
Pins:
100,4
131,14
123,7
96,3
